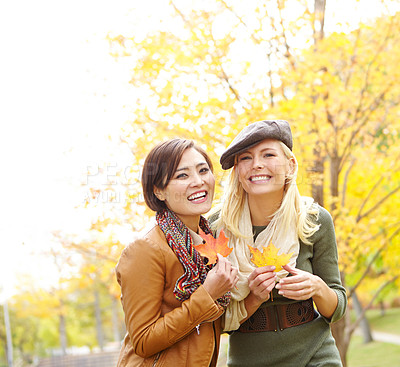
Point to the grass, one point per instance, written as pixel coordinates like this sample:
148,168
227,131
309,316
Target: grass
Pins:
377,354
389,323
374,354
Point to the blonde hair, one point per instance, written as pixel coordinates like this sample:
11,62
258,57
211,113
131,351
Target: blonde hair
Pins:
291,208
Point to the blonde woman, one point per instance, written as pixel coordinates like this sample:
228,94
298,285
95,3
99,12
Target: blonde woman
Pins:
271,318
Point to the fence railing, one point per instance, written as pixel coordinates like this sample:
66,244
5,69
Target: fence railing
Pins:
101,359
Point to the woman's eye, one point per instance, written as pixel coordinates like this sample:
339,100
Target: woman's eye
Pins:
268,155
181,175
244,158
204,170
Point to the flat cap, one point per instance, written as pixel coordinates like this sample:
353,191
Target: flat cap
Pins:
253,134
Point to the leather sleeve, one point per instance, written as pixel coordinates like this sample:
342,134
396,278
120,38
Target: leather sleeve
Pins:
141,273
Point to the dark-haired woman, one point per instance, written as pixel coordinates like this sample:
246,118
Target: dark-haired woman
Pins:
172,301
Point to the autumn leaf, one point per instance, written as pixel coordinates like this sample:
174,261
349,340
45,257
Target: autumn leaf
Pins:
269,256
213,246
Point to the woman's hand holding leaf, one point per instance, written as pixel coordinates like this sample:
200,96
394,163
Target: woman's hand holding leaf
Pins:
221,278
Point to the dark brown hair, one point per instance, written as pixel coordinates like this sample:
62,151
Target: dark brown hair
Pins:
160,165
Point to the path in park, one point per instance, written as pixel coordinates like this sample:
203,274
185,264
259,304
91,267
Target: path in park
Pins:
385,337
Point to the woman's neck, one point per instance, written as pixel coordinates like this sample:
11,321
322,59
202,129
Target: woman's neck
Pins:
262,208
190,221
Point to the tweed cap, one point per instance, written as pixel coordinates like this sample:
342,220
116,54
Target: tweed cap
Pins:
253,134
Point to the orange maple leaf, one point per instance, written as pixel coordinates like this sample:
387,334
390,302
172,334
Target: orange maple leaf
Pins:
213,246
269,256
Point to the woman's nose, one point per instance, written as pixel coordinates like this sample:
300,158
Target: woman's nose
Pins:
197,180
257,163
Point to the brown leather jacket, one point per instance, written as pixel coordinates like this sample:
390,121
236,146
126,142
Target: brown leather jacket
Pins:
161,331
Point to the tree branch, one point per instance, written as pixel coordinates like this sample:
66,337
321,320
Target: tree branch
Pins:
288,54
367,73
361,316
368,196
253,37
346,177
378,204
352,289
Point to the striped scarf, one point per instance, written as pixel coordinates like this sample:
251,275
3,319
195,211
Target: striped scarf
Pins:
179,239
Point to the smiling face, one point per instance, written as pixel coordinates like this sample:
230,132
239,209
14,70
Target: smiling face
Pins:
262,169
190,191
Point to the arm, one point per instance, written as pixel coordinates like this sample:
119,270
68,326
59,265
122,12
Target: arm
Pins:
141,274
303,285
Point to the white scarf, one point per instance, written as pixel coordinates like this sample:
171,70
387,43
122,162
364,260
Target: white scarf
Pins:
285,239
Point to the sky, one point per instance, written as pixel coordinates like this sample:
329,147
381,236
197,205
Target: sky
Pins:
63,102
62,97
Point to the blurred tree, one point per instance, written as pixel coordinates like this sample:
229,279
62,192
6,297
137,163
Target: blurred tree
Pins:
98,253
350,94
211,68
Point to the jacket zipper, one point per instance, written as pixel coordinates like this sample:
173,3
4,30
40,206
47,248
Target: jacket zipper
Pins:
198,329
156,359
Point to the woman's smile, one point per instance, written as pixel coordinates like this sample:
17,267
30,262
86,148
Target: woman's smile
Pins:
259,178
198,197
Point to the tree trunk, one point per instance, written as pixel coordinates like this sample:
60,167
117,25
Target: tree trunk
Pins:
338,332
9,350
99,329
364,324
63,334
317,185
319,20
341,334
382,308
115,319
334,189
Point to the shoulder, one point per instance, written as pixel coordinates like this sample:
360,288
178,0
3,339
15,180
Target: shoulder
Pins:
326,230
324,217
214,216
317,213
150,245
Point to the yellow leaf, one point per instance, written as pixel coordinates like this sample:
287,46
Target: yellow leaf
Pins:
269,256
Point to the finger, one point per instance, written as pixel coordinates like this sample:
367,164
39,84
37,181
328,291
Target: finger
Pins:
262,270
260,279
228,265
265,286
267,268
298,295
221,263
234,270
291,280
266,276
290,269
291,287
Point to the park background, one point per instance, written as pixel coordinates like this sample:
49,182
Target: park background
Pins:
88,87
